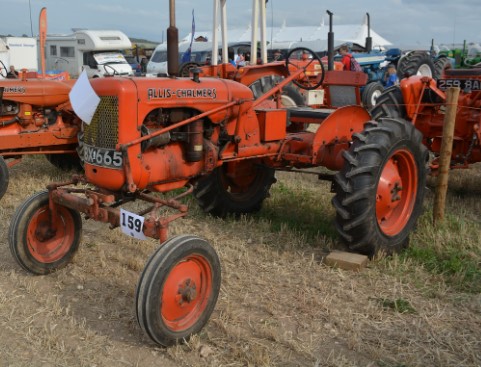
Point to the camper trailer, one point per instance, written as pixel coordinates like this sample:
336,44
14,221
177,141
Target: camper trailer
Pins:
20,52
98,52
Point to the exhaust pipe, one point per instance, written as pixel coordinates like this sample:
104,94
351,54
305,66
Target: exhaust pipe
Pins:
368,38
330,44
172,44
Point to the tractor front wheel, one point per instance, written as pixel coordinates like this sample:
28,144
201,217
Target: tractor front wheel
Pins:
234,188
178,289
37,246
380,190
370,94
4,177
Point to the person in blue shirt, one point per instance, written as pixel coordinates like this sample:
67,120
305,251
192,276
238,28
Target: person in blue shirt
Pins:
391,77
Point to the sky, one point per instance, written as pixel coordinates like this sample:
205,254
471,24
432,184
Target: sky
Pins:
403,22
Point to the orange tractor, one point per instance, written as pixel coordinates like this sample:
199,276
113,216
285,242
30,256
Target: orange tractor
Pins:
36,118
422,100
212,137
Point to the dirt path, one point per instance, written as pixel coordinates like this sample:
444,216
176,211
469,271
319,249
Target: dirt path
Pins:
279,305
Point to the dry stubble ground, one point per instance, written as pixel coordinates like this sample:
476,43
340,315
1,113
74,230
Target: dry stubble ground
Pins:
278,306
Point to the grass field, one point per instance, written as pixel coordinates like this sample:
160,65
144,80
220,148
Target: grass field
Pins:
279,304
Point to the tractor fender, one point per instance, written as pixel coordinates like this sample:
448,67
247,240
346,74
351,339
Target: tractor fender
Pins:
334,134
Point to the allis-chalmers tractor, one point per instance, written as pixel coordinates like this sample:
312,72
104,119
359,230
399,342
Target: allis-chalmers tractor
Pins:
36,118
211,137
422,101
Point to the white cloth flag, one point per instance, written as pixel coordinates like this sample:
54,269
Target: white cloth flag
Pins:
83,98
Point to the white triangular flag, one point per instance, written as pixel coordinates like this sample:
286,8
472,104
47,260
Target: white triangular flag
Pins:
83,98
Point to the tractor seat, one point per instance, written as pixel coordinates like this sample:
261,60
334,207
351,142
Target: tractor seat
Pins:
308,115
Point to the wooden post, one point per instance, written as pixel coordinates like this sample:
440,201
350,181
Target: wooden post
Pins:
452,95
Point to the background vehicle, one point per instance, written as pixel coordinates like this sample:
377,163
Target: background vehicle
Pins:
157,64
36,118
374,63
211,137
467,55
422,101
201,54
96,51
136,68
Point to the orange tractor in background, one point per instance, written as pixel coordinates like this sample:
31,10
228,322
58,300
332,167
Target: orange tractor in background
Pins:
36,118
422,101
215,138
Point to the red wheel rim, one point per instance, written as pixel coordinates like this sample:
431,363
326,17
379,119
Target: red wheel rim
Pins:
396,192
186,292
47,246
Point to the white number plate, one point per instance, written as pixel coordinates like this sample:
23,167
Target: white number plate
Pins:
102,157
132,224
471,84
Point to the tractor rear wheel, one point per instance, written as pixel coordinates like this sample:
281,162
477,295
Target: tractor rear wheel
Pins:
389,104
34,244
4,177
178,289
234,188
370,94
65,162
380,189
415,63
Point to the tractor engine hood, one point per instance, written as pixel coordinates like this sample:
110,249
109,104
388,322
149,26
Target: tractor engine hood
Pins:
125,106
37,92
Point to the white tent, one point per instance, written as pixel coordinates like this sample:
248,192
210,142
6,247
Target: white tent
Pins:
348,33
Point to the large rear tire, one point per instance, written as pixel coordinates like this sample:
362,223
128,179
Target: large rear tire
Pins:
440,65
389,104
380,190
234,188
34,245
415,63
4,177
178,289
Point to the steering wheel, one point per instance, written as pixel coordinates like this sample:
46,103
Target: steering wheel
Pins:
3,68
115,72
313,75
184,69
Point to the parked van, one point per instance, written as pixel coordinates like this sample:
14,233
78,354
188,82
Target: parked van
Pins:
201,54
99,52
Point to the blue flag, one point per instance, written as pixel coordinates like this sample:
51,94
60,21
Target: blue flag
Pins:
186,54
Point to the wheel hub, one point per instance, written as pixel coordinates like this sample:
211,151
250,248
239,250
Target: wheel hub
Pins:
396,192
44,232
389,191
187,291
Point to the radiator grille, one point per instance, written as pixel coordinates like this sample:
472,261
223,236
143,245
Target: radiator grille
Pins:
103,130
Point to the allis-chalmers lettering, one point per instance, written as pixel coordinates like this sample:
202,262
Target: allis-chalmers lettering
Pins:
19,90
154,93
